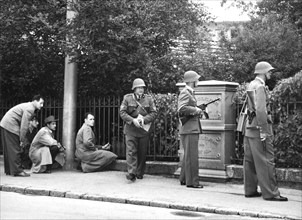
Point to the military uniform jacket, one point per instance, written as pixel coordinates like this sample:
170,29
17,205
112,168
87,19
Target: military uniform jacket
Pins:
130,109
187,105
258,105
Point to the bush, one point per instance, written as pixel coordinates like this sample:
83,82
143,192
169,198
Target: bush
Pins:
288,142
288,121
166,125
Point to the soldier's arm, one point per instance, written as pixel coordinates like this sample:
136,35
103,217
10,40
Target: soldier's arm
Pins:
123,111
152,114
261,111
184,107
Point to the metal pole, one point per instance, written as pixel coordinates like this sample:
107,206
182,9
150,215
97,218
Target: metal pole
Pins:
70,101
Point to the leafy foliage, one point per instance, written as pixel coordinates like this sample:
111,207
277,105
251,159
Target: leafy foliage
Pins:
31,59
288,118
166,124
277,42
125,39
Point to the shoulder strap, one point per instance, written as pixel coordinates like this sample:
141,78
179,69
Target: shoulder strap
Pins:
139,104
244,105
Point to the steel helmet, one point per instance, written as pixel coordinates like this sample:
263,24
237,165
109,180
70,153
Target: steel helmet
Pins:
263,68
191,76
138,82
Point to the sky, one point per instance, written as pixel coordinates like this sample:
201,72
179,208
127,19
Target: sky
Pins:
225,13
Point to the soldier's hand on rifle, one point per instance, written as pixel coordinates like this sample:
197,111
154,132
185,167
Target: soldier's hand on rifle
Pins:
199,111
136,122
202,106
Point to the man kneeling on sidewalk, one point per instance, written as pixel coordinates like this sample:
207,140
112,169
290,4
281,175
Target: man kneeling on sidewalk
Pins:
45,150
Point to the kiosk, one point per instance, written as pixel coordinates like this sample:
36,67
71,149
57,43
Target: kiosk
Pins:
217,142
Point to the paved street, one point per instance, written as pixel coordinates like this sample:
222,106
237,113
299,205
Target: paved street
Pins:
152,192
18,206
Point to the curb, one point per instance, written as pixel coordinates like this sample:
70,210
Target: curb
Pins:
138,201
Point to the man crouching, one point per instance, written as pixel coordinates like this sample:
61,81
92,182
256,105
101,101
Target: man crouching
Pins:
45,150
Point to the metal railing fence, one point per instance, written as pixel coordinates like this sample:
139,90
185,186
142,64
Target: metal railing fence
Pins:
108,125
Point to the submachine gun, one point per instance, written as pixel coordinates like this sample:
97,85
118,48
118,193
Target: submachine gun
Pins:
185,118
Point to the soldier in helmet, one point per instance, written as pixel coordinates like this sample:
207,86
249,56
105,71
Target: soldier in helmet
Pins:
189,131
259,167
138,112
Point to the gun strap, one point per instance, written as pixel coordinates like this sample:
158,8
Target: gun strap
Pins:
139,104
244,105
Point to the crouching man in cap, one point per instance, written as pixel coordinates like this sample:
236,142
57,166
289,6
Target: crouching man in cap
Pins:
45,150
138,111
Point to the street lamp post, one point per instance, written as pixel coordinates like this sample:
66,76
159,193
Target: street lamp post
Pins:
70,101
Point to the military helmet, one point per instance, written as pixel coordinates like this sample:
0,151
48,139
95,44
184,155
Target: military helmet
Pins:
191,76
138,82
263,68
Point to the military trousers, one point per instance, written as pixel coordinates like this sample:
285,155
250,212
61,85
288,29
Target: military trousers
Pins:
136,152
259,167
11,152
190,166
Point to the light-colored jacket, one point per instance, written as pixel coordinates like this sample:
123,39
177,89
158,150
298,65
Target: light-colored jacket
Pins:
16,120
258,103
39,152
187,106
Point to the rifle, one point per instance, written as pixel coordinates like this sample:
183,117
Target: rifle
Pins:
185,118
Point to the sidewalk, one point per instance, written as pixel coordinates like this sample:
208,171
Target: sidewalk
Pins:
157,191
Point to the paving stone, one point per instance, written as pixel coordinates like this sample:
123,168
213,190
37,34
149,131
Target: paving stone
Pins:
37,191
269,215
74,195
57,193
248,213
226,211
183,206
136,201
10,188
294,175
114,199
159,204
93,197
205,209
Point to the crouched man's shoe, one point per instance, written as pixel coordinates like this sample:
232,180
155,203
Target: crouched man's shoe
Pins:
278,199
257,194
131,177
139,177
22,174
197,186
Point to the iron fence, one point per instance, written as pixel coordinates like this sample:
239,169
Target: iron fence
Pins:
108,125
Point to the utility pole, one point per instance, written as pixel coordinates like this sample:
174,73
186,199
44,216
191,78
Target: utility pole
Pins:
70,101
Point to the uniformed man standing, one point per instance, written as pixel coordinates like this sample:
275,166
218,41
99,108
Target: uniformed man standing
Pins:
259,166
138,112
189,131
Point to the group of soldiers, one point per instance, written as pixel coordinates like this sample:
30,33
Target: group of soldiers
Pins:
138,111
